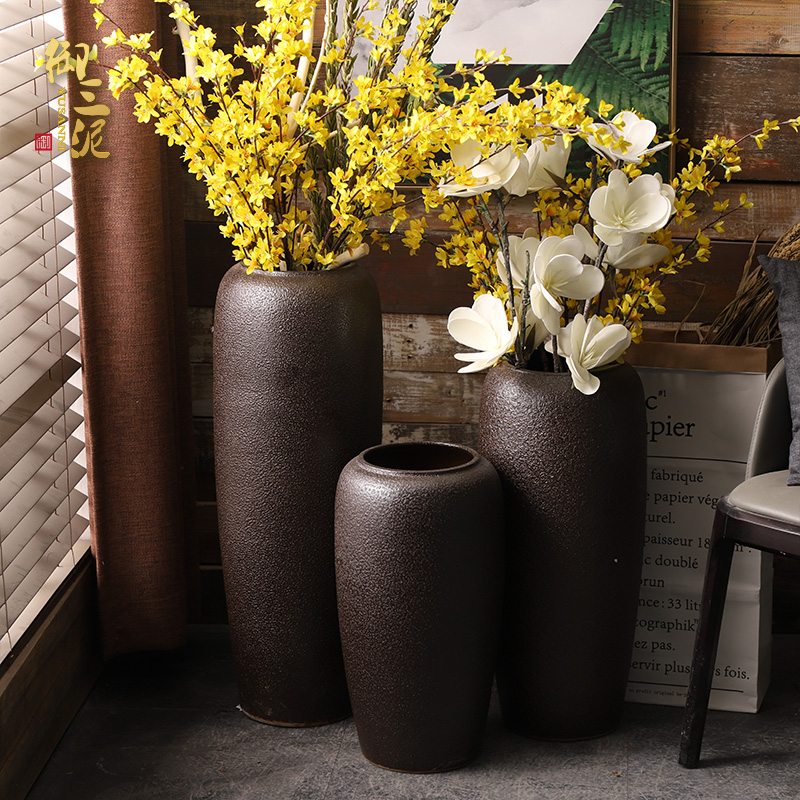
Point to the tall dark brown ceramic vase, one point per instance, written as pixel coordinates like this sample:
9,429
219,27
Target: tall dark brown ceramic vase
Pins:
419,567
297,393
574,477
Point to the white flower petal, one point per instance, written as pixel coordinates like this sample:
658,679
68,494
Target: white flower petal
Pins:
650,213
639,132
472,331
546,161
564,340
643,185
606,345
453,189
627,127
560,270
465,154
517,181
587,284
501,169
656,148
479,362
644,255
522,251
585,238
588,344
484,327
552,246
593,325
582,379
547,309
610,236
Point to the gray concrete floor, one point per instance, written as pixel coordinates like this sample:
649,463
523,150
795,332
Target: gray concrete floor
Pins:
166,727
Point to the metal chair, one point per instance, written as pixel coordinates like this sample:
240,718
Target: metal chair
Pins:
762,512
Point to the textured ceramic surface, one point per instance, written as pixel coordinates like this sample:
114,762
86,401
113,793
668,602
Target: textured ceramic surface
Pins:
574,478
297,394
419,563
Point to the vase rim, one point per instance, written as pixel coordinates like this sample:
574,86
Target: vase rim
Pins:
564,374
344,268
451,457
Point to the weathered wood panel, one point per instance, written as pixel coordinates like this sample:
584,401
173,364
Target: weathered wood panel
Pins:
465,433
414,342
431,396
768,27
200,338
202,402
773,190
407,396
712,98
418,342
776,209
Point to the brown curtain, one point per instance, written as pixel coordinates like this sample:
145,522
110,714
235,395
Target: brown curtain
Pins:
132,286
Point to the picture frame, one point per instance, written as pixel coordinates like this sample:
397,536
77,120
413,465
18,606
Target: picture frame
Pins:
620,51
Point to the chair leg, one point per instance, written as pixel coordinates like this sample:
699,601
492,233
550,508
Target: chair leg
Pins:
712,607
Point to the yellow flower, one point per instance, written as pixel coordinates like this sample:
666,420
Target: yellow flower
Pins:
300,158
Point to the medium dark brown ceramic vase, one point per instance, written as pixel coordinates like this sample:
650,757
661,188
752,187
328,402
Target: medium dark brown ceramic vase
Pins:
297,394
419,565
574,476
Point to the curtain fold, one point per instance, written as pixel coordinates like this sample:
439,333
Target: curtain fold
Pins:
132,288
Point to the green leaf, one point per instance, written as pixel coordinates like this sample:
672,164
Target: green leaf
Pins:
625,60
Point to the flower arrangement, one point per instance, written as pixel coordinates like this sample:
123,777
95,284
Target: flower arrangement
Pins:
308,165
571,291
298,153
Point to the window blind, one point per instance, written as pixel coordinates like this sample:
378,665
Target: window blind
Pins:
43,503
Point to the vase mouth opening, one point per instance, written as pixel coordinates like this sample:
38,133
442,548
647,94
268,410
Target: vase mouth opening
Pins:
295,272
419,457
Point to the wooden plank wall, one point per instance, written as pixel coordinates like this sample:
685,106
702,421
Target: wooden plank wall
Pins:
737,64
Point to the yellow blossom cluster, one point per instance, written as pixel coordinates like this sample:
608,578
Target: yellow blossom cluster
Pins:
299,154
477,231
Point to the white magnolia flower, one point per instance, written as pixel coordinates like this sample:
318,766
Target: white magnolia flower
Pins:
588,345
637,133
547,162
642,206
522,250
634,252
503,169
484,327
559,272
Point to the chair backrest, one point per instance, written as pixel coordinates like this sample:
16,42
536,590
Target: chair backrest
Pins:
772,435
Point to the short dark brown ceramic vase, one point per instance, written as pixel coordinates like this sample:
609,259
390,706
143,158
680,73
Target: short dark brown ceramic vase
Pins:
297,394
573,469
419,564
